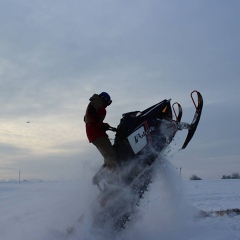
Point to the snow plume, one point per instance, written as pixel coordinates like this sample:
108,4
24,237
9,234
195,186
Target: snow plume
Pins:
165,212
46,210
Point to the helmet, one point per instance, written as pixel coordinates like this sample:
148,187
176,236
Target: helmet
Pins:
106,98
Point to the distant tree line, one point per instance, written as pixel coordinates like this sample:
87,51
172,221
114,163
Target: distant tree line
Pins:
195,177
233,176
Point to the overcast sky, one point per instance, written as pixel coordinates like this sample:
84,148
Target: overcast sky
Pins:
54,54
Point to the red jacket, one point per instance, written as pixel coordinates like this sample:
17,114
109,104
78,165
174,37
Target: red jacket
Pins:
94,117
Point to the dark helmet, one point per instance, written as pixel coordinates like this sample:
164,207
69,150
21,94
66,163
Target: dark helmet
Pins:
106,97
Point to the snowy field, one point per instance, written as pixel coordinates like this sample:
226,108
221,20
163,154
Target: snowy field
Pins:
44,210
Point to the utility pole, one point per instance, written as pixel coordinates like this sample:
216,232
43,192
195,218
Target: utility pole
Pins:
19,179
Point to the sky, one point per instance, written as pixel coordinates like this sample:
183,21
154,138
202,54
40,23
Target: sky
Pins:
54,55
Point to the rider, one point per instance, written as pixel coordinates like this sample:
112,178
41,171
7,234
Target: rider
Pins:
96,128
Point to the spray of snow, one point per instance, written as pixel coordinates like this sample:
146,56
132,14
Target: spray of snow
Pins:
163,212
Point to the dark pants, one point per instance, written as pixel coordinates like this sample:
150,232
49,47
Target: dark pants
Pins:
105,147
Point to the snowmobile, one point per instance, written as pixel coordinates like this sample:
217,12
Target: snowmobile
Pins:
140,137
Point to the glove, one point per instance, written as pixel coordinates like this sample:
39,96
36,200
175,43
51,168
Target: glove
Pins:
113,129
105,126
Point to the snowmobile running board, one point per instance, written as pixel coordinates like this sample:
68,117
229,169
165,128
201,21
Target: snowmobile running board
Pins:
193,126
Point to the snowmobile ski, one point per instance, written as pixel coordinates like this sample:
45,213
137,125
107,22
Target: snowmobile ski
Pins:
196,118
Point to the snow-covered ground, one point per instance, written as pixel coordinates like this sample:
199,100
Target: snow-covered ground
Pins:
44,210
